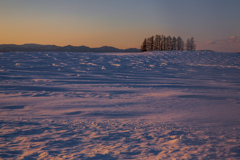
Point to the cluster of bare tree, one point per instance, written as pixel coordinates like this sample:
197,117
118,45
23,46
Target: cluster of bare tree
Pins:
163,43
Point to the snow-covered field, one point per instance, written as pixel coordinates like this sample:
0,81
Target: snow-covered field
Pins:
155,105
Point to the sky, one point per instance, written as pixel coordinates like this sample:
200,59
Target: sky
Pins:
214,24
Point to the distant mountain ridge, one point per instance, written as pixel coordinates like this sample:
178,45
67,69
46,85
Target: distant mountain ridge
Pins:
69,48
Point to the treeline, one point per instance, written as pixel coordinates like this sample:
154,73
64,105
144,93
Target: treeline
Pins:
163,43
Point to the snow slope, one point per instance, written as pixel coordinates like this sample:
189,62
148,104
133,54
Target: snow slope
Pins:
162,105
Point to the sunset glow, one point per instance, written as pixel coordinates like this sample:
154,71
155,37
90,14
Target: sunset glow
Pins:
122,24
119,79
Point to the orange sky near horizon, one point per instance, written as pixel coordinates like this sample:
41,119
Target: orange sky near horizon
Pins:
122,24
65,34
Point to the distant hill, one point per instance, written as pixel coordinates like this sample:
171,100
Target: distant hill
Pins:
69,48
206,50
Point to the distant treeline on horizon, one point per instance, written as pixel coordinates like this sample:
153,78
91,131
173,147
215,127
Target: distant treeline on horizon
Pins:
54,48
163,43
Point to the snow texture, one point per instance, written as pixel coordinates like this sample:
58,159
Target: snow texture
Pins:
153,105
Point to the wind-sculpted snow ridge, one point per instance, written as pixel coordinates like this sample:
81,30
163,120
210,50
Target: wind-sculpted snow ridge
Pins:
90,140
153,105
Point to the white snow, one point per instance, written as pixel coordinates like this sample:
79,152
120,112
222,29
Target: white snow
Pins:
152,105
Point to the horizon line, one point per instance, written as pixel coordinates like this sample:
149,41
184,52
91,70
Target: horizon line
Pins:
67,45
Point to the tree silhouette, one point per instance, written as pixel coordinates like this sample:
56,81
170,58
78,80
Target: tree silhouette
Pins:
163,43
191,46
174,43
188,45
180,44
144,45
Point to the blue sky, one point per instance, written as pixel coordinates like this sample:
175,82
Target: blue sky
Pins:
215,24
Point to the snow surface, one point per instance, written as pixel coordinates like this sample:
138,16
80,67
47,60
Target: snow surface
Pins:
154,105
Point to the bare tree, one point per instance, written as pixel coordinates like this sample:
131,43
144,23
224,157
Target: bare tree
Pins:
169,43
144,45
174,43
188,45
163,43
193,45
180,44
155,43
